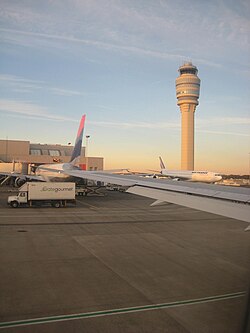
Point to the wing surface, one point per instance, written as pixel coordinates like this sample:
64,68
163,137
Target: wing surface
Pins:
217,199
22,176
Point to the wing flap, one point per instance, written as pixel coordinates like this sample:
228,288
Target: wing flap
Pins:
221,207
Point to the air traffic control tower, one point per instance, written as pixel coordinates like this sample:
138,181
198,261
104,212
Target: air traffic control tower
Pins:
187,93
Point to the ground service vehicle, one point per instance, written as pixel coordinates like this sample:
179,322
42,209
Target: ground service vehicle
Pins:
41,193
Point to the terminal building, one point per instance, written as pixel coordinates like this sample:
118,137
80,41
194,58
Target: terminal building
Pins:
24,156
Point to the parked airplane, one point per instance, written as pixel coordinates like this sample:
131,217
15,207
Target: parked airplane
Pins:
216,199
53,172
192,176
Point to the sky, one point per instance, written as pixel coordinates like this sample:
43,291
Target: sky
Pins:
116,61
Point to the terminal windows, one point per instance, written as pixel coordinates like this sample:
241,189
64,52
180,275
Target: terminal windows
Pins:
35,152
54,152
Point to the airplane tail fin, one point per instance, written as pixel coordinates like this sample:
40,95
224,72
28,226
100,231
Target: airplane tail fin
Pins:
162,165
78,143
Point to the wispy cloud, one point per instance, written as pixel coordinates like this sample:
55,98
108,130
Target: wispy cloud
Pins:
224,133
223,121
143,125
23,85
19,37
65,92
29,109
19,82
133,26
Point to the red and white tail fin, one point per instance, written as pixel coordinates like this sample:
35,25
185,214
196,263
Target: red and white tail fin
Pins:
78,143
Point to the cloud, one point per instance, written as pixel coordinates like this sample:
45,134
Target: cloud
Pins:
28,109
177,125
19,82
127,125
224,133
224,121
18,37
65,92
23,85
149,28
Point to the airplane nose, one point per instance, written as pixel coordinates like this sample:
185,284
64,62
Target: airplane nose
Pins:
218,178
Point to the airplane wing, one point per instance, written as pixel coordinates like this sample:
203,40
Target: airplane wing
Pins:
22,176
217,199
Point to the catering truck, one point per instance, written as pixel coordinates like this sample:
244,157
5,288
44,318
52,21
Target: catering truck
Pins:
41,193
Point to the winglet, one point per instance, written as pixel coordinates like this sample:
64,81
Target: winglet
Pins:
162,165
159,203
78,143
248,228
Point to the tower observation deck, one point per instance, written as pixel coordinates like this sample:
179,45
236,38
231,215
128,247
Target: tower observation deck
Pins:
187,93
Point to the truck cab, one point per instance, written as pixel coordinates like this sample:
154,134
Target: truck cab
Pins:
17,200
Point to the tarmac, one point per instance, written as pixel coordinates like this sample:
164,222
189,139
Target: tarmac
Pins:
114,264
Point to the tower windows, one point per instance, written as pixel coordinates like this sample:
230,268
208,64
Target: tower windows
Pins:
192,92
188,71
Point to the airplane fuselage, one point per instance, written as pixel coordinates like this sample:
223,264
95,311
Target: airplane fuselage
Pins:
53,172
194,176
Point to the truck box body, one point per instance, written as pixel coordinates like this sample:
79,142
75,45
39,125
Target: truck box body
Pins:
49,191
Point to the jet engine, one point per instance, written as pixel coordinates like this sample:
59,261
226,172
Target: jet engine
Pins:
19,181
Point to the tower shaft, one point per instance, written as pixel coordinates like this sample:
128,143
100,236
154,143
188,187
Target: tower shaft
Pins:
187,136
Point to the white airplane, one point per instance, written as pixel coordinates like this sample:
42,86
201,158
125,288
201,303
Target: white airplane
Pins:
192,176
55,172
226,201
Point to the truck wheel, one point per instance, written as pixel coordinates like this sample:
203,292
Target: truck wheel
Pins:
14,204
57,204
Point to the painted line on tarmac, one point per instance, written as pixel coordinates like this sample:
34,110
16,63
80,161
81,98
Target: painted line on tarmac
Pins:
52,319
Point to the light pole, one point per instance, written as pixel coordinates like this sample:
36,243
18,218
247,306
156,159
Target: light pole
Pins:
86,151
249,170
87,144
6,150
